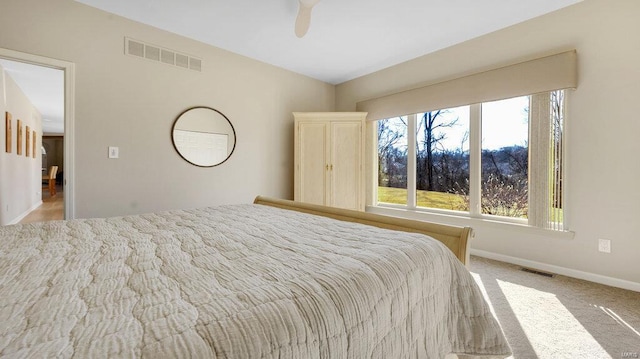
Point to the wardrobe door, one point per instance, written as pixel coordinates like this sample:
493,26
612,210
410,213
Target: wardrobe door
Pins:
312,152
345,166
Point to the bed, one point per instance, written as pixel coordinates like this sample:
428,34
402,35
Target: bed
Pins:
272,279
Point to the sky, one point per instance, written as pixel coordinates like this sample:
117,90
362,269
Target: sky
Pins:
504,123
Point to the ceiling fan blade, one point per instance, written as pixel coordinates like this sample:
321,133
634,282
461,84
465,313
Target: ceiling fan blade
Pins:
303,20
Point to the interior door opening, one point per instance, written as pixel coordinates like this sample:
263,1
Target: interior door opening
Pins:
28,192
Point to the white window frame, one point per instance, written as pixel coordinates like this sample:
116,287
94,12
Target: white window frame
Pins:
475,153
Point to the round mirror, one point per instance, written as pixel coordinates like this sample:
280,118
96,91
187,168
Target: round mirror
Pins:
203,136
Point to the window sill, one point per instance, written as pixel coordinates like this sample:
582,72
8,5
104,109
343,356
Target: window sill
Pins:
466,220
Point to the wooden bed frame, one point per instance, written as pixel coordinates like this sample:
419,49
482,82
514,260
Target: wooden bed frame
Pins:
455,238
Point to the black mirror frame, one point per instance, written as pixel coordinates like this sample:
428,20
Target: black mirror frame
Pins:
235,137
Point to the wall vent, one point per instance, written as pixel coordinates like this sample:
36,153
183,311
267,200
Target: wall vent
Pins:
168,57
152,53
159,54
182,61
195,64
135,48
535,271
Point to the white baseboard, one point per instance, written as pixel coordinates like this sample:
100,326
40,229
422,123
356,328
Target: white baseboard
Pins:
592,277
26,213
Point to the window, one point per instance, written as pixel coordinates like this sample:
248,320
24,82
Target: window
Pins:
392,160
442,159
504,160
500,159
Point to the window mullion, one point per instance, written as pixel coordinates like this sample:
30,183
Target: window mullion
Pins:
475,154
411,161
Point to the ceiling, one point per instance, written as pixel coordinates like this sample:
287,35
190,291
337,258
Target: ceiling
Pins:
346,39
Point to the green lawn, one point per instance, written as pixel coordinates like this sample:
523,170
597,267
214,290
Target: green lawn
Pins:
425,198
435,200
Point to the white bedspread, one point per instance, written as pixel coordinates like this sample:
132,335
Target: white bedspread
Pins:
241,281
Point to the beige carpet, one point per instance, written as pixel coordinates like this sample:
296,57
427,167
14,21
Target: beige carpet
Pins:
560,317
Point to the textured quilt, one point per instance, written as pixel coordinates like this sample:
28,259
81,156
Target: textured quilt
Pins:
238,281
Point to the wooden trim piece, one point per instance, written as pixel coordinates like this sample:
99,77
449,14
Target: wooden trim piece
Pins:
8,134
27,147
35,138
455,238
19,138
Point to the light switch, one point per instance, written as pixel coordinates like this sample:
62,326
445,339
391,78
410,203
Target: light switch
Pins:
604,245
113,152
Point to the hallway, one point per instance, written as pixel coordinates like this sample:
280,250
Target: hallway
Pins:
52,209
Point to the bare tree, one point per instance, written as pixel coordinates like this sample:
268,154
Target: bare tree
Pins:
557,124
504,197
388,138
429,125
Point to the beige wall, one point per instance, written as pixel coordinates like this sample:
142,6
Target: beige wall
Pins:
131,103
603,169
20,176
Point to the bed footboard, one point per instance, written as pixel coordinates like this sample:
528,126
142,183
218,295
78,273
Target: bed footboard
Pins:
455,238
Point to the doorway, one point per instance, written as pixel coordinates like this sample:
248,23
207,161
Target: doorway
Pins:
63,139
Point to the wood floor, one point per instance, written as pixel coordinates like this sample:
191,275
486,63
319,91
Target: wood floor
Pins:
52,208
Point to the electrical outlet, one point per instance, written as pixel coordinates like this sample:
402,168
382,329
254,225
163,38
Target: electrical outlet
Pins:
113,152
604,245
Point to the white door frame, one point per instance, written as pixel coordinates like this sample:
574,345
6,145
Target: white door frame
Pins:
69,118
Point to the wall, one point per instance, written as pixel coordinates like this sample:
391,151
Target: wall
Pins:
131,103
603,171
54,145
20,176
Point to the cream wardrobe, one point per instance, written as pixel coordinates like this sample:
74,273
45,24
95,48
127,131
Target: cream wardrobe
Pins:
329,159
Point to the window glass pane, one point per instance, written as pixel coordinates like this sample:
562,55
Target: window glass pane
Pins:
392,160
442,159
505,155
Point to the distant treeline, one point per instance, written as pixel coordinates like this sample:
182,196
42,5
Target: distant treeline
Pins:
504,175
